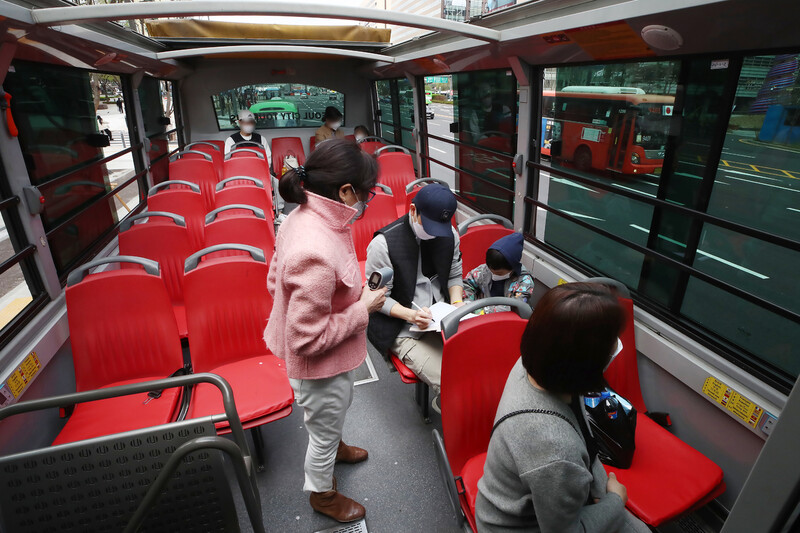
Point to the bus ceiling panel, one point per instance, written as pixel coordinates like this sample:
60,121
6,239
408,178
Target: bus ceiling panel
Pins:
273,49
182,8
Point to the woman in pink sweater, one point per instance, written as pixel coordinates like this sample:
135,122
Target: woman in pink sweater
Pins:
320,313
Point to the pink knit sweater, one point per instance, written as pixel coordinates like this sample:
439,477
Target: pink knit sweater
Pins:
318,325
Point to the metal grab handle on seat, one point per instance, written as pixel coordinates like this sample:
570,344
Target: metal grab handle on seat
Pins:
164,184
410,186
195,152
385,188
462,228
450,322
621,288
80,272
212,145
240,150
245,144
256,182
371,138
258,213
392,147
193,260
128,222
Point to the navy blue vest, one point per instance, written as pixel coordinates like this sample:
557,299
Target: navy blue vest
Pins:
254,137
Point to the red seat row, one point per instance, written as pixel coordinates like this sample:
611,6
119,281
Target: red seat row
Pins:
114,344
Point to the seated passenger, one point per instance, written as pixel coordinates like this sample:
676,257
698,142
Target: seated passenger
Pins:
502,275
542,472
247,132
361,132
422,249
331,128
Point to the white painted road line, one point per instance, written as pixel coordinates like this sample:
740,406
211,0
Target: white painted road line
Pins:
723,169
572,184
793,209
706,254
634,190
762,184
438,150
580,215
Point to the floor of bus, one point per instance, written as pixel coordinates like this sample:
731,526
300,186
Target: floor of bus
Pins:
399,484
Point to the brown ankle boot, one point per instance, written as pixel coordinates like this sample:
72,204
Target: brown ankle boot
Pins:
337,506
350,454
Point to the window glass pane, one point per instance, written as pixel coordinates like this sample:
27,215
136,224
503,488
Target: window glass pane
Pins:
277,105
15,294
439,112
384,92
443,173
406,95
151,100
66,117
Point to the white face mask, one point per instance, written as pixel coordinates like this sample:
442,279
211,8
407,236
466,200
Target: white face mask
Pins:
496,277
420,232
335,126
617,350
247,129
360,136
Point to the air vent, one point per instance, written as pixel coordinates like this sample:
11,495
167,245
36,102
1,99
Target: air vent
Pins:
357,527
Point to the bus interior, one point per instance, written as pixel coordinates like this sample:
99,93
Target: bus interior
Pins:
652,144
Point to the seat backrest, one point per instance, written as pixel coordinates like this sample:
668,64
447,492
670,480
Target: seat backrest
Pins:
246,166
476,239
240,228
416,185
380,212
312,143
163,239
211,149
476,361
121,324
175,197
283,146
218,144
396,169
370,146
233,191
227,307
199,171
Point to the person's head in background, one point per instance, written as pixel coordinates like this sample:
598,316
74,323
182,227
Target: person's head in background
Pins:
246,122
571,338
504,256
338,170
332,118
432,211
361,132
485,96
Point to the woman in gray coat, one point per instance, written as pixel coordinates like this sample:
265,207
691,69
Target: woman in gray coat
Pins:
542,472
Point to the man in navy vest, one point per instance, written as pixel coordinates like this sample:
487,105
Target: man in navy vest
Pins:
247,132
422,249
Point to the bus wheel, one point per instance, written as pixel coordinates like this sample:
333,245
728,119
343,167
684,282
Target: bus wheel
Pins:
582,158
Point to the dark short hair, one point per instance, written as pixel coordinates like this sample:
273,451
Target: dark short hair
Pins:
334,163
495,260
331,113
570,337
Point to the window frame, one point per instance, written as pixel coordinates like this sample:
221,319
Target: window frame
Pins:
760,368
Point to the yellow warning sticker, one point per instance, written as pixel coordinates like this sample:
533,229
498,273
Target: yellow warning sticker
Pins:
23,374
562,281
740,406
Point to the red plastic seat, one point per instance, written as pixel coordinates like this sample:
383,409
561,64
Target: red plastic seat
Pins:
380,212
122,330
414,187
285,146
245,190
164,239
371,144
406,374
396,169
182,198
211,149
254,167
227,307
472,384
687,479
312,143
240,224
218,144
350,137
198,171
476,240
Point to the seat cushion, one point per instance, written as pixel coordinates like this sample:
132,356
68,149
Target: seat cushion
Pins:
667,477
406,374
116,415
260,387
470,474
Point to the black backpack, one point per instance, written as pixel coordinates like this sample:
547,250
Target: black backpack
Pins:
612,420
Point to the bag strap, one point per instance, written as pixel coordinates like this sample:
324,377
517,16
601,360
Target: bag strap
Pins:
536,411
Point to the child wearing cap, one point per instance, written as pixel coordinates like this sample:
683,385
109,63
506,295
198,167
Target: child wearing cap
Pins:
502,274
247,132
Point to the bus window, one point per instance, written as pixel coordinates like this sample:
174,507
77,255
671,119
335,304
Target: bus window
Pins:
284,105
440,113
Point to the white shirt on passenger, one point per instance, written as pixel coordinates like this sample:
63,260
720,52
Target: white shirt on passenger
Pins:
229,145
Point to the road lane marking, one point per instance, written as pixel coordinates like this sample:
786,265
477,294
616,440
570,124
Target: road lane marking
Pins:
437,149
572,184
634,190
762,184
793,209
581,215
706,254
693,176
751,175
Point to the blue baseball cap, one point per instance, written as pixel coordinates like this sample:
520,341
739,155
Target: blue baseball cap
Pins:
436,205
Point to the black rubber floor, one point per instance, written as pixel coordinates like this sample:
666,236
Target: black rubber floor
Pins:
399,484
